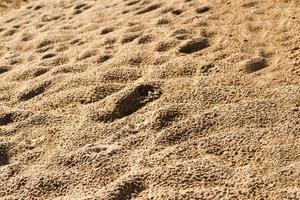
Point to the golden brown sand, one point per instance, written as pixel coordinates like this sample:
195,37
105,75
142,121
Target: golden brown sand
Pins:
7,5
150,99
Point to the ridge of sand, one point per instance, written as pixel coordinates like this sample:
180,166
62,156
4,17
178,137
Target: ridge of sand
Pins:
140,99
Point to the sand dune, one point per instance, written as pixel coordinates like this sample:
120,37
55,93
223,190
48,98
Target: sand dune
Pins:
141,99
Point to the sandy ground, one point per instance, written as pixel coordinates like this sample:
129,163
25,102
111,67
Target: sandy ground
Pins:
7,5
142,99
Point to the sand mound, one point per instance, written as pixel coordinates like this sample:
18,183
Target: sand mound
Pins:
140,99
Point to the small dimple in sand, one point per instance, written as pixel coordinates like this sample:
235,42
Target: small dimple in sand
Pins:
3,154
194,45
255,64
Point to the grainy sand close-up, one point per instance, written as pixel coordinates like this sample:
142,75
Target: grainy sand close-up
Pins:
150,99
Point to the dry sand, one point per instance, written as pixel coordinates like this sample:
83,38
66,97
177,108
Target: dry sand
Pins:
7,5
142,99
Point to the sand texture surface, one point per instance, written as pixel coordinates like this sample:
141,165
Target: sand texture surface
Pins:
7,5
150,99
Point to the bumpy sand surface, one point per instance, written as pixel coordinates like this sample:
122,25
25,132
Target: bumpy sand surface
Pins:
6,5
150,99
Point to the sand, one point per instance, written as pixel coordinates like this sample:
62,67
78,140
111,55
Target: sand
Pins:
141,99
7,5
